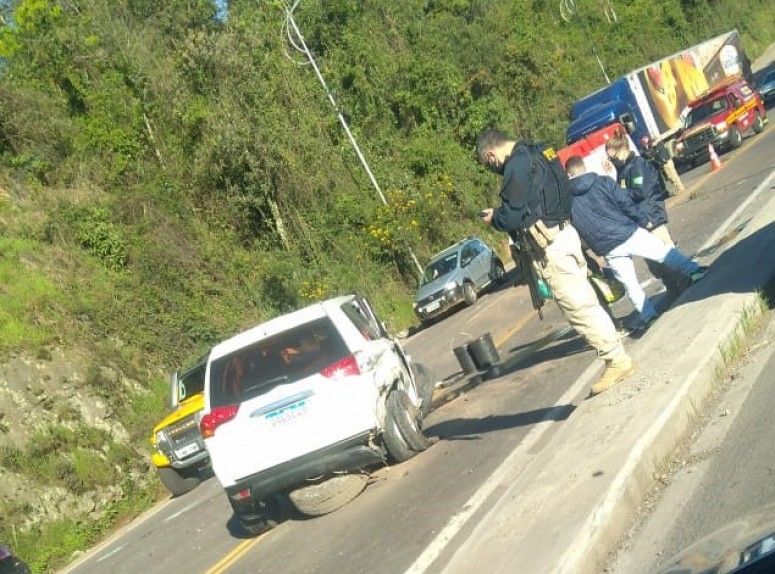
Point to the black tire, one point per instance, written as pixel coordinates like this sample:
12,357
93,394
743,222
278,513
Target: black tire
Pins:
177,482
329,495
425,383
758,124
394,441
498,271
265,516
407,417
469,293
735,138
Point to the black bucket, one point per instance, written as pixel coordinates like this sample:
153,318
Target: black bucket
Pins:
465,359
483,352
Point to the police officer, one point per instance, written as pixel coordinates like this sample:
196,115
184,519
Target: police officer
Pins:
536,200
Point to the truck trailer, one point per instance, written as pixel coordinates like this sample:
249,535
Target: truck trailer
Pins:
649,101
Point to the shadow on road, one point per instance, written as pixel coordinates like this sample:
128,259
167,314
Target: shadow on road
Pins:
469,429
746,267
236,530
561,335
558,345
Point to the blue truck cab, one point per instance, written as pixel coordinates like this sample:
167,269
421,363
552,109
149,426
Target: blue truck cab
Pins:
610,104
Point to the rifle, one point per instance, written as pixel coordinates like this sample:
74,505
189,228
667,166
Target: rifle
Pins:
526,262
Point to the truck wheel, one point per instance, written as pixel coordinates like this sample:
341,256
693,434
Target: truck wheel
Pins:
176,482
425,383
399,406
735,137
329,495
265,516
758,124
469,293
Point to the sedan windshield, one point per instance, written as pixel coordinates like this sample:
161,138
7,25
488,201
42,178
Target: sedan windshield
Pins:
439,268
706,110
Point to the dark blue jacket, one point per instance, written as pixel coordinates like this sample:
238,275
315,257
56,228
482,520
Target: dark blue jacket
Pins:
534,187
604,215
646,186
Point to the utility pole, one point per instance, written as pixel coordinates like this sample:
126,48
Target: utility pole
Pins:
298,42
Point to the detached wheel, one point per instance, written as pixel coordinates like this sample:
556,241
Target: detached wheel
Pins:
328,495
177,482
735,137
497,272
758,124
469,293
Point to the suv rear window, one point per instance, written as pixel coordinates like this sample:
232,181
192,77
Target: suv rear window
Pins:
281,359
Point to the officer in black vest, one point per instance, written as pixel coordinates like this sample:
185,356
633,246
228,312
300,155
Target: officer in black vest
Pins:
535,203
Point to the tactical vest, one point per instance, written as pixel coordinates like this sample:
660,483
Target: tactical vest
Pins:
550,187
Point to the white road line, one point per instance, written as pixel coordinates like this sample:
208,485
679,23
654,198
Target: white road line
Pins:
722,229
499,476
107,555
185,509
458,521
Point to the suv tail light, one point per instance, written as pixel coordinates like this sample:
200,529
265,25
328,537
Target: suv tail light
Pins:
216,418
342,368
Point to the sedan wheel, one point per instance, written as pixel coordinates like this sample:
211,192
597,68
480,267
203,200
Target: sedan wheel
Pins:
497,272
735,138
469,293
758,124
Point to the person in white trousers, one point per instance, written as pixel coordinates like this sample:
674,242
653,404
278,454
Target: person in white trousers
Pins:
615,227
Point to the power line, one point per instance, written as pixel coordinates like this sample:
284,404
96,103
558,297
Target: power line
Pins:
296,39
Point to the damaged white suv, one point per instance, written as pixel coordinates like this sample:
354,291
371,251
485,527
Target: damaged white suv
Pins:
298,407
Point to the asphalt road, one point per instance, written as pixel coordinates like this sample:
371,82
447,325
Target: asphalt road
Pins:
724,474
398,516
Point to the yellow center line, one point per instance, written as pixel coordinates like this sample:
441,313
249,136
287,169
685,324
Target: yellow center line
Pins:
503,337
233,555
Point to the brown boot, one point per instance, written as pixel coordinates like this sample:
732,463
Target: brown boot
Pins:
616,371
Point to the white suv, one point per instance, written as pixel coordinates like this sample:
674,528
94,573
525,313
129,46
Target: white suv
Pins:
300,405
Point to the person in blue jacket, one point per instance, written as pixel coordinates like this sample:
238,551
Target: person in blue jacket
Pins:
646,186
614,226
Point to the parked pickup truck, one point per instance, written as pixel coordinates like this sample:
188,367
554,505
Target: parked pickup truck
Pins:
178,451
720,118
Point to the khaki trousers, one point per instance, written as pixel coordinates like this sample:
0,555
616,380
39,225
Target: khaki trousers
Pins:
565,270
671,173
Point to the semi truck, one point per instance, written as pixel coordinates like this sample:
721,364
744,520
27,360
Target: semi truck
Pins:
649,102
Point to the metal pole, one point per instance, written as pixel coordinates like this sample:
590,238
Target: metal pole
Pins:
600,63
342,121
569,12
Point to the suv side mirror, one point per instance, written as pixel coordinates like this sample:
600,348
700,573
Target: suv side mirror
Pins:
175,390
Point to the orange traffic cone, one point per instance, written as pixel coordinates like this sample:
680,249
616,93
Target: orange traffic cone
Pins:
715,162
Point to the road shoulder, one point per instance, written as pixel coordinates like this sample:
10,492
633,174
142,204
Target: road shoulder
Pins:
579,494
